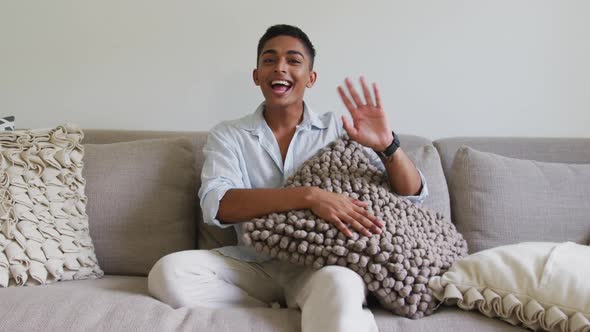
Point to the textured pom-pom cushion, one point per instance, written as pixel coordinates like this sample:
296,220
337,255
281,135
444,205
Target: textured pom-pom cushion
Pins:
44,234
539,285
396,265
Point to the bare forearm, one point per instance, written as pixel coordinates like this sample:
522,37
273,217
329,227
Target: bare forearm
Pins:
239,205
403,176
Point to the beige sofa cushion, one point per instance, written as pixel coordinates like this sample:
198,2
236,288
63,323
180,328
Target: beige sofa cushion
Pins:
121,304
44,234
540,285
498,200
141,202
426,158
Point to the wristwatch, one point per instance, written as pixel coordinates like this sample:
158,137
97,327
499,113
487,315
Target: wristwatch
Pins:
390,150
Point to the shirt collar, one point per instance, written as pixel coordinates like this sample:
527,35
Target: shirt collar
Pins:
255,122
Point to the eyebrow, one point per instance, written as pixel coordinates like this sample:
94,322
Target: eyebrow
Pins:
271,51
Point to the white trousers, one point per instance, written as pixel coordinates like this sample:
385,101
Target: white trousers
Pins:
330,299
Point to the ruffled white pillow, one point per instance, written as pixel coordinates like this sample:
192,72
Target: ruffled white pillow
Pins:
539,285
44,234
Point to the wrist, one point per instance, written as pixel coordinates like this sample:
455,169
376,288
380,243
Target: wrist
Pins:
309,196
384,142
393,145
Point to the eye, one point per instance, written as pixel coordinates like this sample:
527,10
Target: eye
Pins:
268,60
295,61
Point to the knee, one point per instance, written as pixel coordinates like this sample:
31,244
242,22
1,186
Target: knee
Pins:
338,282
169,274
171,266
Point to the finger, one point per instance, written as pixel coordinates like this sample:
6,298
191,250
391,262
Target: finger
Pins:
379,223
366,222
366,91
356,225
350,129
347,102
358,216
377,95
370,216
353,94
360,203
373,218
366,213
341,227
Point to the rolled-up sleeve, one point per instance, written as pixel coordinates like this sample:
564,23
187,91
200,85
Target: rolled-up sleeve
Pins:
419,199
221,172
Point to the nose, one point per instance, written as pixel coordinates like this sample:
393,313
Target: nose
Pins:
281,66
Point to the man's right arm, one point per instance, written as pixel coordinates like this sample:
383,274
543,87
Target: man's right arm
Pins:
225,200
238,205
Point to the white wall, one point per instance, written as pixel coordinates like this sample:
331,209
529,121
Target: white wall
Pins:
445,67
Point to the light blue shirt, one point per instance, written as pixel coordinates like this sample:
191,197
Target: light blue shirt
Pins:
244,154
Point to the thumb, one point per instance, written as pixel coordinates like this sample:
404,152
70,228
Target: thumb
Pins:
350,129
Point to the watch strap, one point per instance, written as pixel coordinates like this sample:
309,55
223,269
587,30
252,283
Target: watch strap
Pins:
390,150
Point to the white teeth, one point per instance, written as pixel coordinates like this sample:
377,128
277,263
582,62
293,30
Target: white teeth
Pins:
281,82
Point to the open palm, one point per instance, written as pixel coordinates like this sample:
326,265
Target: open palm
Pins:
369,125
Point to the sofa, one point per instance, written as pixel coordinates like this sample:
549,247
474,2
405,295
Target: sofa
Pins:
128,240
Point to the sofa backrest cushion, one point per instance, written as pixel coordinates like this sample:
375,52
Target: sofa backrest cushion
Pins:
208,236
557,150
141,201
498,200
426,158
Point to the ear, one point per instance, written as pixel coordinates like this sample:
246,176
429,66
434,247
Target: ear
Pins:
255,77
313,76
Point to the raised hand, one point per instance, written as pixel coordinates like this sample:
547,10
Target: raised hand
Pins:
369,125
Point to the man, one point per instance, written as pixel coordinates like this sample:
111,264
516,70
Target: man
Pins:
247,161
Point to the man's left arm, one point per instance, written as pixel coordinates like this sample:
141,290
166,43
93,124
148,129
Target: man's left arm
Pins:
404,178
370,128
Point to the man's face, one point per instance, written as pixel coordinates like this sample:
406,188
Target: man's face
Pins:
284,71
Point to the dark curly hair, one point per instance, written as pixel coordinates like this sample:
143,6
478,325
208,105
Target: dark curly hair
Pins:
286,30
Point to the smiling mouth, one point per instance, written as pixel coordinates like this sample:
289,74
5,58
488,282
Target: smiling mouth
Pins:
280,86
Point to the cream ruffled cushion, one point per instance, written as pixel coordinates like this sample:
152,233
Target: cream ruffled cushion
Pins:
539,285
43,222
